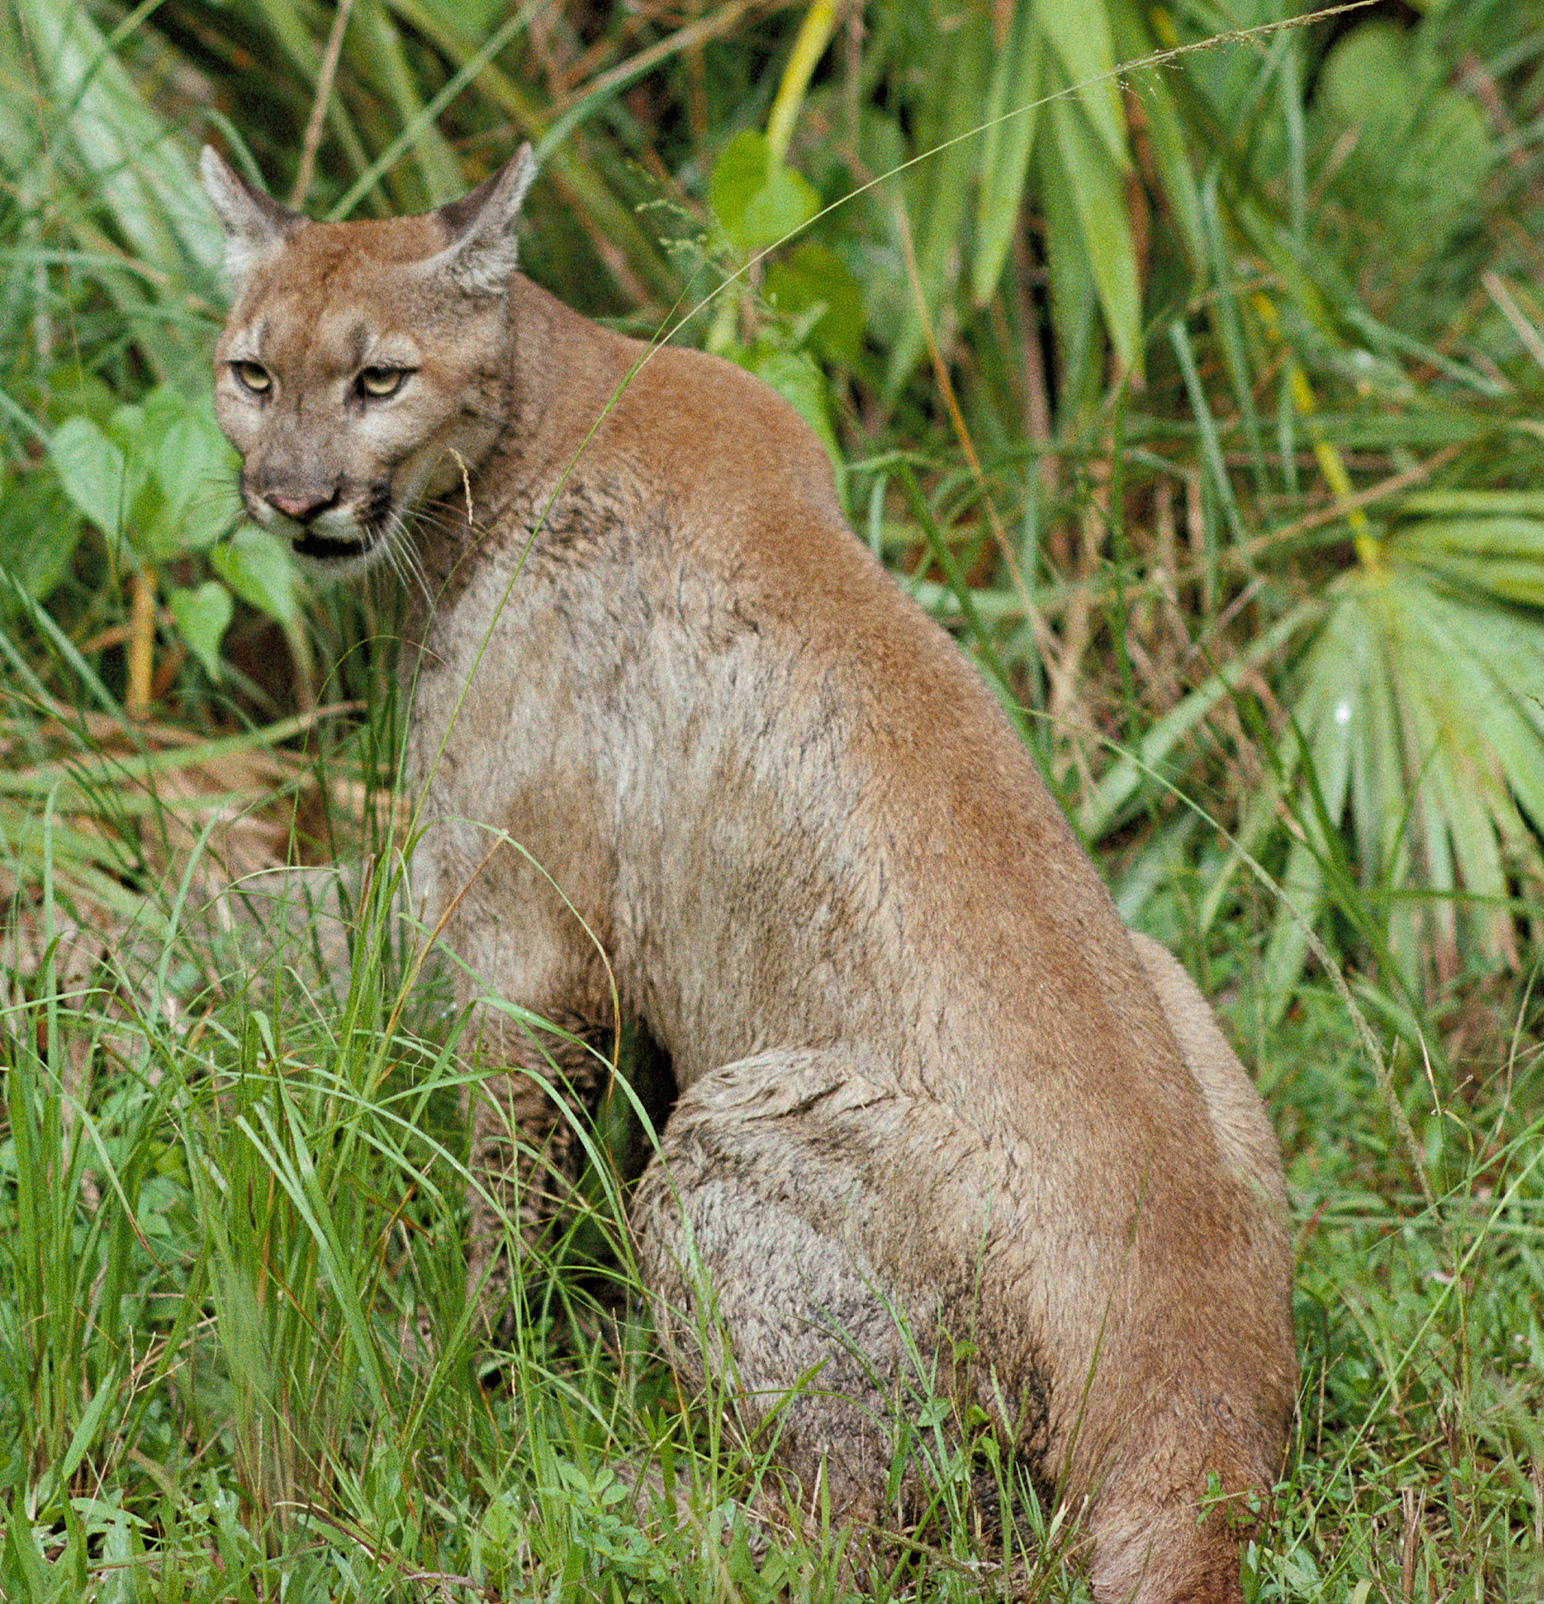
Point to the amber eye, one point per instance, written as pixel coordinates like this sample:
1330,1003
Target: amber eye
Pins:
253,377
378,383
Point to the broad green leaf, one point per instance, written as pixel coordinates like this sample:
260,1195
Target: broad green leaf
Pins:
812,276
1012,116
132,428
1074,294
936,193
1079,33
153,529
129,426
737,176
93,470
1098,190
196,469
203,616
164,406
159,472
258,567
1502,556
205,519
136,165
188,461
757,204
1134,39
39,531
1365,67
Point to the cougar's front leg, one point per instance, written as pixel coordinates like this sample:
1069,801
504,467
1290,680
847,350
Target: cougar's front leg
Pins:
518,938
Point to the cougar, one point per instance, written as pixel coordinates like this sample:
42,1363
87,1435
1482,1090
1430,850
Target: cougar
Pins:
688,755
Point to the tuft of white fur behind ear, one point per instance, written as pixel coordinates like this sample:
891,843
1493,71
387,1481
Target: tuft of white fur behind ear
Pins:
482,249
255,224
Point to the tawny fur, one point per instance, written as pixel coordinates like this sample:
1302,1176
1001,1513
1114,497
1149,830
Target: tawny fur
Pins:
932,1091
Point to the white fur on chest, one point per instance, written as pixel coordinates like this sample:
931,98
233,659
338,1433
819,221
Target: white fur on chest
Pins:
689,791
500,766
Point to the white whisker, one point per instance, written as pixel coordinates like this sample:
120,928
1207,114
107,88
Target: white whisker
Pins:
403,553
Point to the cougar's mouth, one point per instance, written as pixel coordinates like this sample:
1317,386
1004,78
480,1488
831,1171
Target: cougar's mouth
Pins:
338,539
331,548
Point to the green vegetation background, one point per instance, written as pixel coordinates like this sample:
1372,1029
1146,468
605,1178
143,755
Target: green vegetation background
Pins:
1186,363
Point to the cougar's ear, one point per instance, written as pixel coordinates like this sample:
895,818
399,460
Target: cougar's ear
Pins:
480,247
255,224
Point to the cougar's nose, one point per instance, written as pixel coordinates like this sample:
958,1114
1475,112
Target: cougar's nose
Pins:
301,505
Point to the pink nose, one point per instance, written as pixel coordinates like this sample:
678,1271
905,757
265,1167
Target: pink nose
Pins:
301,505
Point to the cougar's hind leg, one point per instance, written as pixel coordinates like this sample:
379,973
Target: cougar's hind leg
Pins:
526,1150
810,1235
756,1239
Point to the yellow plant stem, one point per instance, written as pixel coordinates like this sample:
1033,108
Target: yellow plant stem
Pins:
141,641
1369,550
814,35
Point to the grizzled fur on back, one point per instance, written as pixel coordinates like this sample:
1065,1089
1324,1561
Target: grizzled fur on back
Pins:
687,750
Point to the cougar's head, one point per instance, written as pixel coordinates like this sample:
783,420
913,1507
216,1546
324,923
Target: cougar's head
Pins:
364,365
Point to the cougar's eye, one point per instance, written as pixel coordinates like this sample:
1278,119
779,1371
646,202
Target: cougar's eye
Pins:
253,377
378,383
